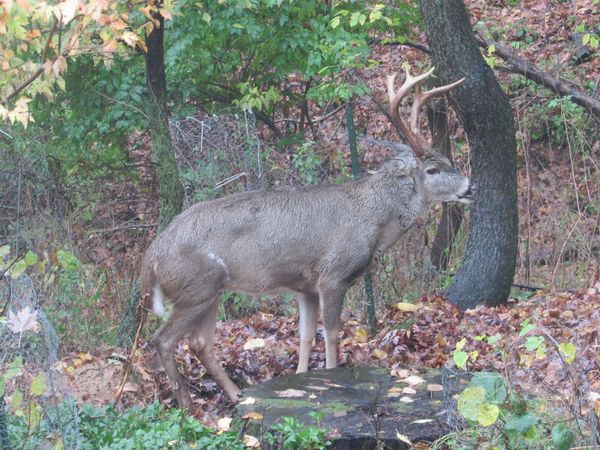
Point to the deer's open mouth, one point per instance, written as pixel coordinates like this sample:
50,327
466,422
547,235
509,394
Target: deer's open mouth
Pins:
468,195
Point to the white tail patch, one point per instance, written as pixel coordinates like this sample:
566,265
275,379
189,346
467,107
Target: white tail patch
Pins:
218,260
158,300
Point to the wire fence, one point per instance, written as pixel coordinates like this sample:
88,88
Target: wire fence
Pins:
218,154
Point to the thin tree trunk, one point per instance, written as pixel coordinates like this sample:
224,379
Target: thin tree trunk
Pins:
487,270
170,188
171,191
452,213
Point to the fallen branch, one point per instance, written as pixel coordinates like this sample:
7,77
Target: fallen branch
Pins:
143,306
517,64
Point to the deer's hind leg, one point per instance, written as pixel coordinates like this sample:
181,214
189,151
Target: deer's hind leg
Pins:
165,340
194,304
201,343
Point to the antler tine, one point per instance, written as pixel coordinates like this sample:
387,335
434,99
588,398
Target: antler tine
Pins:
410,82
418,144
421,98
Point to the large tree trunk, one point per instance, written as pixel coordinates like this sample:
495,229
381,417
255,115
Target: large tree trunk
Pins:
171,190
488,268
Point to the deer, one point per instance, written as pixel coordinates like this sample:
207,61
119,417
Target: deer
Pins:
313,241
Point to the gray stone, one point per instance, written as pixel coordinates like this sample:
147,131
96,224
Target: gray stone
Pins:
361,408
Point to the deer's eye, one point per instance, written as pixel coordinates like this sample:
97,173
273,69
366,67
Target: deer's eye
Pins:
432,171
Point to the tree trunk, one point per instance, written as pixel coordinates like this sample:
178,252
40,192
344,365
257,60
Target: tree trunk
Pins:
171,190
452,213
488,268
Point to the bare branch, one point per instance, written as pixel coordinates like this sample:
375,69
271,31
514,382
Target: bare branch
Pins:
517,64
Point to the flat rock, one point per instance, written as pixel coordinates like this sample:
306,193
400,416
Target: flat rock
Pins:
360,408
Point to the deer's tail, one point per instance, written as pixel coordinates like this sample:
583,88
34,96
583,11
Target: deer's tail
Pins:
151,287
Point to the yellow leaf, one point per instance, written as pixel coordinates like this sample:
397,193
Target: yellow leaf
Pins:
250,441
47,67
166,14
142,44
118,25
224,424
130,38
407,307
110,47
379,354
68,9
253,415
361,335
248,401
414,380
254,343
525,360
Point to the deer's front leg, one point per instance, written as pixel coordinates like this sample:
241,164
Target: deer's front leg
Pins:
332,298
308,309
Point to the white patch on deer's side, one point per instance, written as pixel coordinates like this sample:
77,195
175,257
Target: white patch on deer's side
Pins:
158,300
218,260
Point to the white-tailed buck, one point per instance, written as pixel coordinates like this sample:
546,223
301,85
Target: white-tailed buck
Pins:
314,241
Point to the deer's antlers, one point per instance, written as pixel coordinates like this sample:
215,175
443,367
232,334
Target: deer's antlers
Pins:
411,131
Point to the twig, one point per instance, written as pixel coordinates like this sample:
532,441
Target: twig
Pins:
406,43
35,74
143,314
124,227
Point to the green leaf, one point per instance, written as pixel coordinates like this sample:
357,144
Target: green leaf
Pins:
38,385
460,358
568,351
494,386
335,22
487,414
533,342
4,250
526,327
16,400
562,437
520,424
585,39
14,369
67,260
31,258
469,401
17,269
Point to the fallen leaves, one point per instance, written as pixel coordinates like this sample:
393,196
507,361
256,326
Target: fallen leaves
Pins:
24,320
291,393
254,343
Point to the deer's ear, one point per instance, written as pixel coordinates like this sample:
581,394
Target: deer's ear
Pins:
400,166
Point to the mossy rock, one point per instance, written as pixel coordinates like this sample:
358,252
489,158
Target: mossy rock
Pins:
360,408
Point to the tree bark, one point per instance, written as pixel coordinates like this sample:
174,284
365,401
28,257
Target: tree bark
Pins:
171,191
487,270
170,188
452,213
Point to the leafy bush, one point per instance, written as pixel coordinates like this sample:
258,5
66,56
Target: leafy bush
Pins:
148,428
291,434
